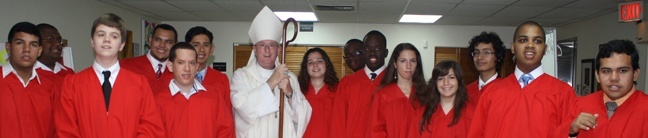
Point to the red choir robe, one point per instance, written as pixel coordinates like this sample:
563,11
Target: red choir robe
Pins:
218,82
439,121
141,65
628,121
56,78
26,111
322,104
352,103
133,112
473,90
505,110
205,114
393,115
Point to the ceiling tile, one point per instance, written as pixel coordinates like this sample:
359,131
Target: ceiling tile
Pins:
458,20
297,6
122,5
542,3
152,6
380,7
439,1
178,16
424,7
196,5
489,2
593,4
500,21
217,16
240,6
246,16
337,17
550,22
475,10
569,13
148,14
520,11
378,18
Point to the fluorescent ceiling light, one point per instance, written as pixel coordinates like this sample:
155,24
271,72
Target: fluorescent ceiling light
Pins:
413,18
299,16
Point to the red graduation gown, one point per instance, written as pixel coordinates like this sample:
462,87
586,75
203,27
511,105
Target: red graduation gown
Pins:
322,104
628,121
56,77
204,115
506,110
473,90
217,82
26,112
438,127
352,104
392,114
141,65
81,111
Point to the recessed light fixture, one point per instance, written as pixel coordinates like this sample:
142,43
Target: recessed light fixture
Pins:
299,16
414,18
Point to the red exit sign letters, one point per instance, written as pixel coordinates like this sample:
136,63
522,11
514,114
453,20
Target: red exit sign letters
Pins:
631,11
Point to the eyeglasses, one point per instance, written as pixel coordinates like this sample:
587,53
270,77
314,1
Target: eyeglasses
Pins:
265,45
485,53
353,54
54,40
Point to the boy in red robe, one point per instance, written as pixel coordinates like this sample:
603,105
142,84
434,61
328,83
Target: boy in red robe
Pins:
105,100
52,45
618,111
353,99
487,52
153,64
189,109
27,98
528,103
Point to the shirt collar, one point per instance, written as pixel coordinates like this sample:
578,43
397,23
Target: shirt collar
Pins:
378,71
114,71
155,62
57,67
8,68
482,83
535,72
196,88
203,72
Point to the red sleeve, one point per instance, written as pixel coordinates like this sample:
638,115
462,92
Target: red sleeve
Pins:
151,125
339,113
478,122
569,112
225,126
377,124
64,114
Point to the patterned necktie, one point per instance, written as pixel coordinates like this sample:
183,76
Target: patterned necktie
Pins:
107,88
525,79
611,107
373,76
199,77
158,73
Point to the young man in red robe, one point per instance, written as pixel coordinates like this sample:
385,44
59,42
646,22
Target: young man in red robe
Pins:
153,64
189,109
619,110
105,100
48,63
201,39
27,97
487,52
353,99
528,103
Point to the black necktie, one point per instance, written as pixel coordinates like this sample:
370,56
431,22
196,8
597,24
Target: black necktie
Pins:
373,76
611,107
106,88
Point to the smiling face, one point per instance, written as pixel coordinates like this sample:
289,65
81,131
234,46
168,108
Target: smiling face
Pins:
107,41
529,47
447,85
51,44
161,42
265,52
203,46
616,75
353,56
406,64
23,50
375,52
316,66
485,60
184,67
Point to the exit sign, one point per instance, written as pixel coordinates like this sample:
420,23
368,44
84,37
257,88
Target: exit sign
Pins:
631,11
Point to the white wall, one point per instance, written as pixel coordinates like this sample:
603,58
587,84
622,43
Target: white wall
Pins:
600,30
228,33
73,19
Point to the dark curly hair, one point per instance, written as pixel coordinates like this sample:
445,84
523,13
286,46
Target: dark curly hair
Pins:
330,77
434,97
498,46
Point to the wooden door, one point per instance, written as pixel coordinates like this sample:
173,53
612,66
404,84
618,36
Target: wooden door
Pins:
462,56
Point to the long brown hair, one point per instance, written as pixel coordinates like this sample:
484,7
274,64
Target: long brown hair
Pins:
391,74
434,97
330,77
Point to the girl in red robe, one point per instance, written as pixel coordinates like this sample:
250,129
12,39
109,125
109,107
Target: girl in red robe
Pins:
318,81
395,104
